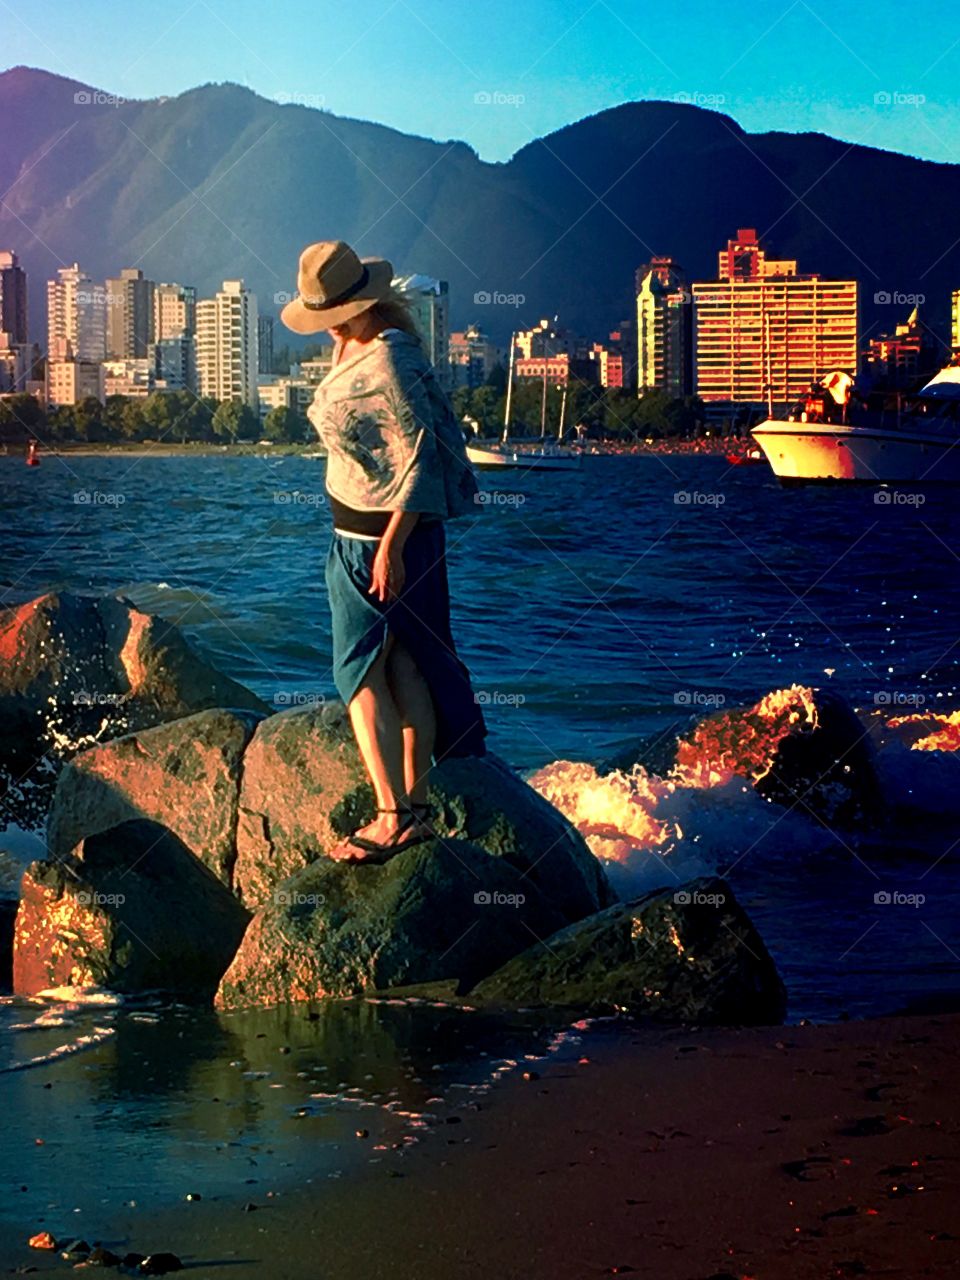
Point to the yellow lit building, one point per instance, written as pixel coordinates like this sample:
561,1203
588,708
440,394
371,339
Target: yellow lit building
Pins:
763,328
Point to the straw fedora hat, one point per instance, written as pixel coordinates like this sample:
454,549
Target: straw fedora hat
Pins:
334,285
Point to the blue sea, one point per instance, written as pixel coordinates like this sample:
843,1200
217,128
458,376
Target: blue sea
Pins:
592,608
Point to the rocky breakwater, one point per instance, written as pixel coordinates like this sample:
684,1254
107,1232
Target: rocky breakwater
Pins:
191,857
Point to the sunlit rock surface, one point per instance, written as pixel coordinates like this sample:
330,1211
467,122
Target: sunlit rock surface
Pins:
131,909
688,954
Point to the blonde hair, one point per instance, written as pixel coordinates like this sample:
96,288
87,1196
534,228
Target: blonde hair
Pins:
395,313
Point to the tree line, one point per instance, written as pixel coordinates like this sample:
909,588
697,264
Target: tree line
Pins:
606,413
175,416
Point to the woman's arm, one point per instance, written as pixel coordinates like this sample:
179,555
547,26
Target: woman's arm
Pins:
388,575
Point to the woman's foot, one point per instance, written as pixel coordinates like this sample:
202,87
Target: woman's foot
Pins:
391,831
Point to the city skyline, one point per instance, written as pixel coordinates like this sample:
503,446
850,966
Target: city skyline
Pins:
500,88
760,329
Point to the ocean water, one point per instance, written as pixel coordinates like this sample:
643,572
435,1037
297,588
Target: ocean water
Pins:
593,608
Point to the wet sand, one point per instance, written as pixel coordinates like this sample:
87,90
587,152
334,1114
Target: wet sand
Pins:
794,1153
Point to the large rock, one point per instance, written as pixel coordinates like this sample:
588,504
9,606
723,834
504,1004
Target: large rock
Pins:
484,801
688,955
185,774
444,909
304,788
131,910
801,747
79,669
8,914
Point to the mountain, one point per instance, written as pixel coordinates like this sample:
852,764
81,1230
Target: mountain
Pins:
220,183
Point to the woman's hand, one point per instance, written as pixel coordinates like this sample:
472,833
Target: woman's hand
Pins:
388,575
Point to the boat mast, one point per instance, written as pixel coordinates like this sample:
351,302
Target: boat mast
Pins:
563,410
766,335
506,412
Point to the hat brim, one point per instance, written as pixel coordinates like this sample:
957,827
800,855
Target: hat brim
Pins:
303,319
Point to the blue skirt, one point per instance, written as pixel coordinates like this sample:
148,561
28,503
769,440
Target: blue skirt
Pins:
419,617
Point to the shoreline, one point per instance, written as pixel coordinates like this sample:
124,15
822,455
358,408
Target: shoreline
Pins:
776,1153
711,446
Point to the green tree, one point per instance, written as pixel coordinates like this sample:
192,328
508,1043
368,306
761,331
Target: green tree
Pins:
21,416
285,426
234,420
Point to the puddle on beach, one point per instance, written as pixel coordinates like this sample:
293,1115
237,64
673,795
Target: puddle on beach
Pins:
106,1102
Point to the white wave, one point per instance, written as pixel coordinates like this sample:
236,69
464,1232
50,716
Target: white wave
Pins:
90,1041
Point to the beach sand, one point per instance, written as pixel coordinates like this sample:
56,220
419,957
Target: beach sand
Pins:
793,1153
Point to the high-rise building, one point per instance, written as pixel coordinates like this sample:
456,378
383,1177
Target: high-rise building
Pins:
174,311
664,329
955,321
70,379
265,344
134,377
473,357
13,298
227,344
130,315
901,359
609,362
745,259
763,330
15,364
542,340
429,301
76,311
174,331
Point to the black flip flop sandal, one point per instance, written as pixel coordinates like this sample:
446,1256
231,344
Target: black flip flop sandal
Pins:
395,845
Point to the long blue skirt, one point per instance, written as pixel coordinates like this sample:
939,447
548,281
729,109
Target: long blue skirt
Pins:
419,617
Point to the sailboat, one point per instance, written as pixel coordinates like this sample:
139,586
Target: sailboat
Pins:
531,455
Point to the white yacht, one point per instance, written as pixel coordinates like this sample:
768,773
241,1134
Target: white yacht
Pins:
897,437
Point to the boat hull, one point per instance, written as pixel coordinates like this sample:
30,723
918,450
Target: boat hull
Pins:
494,459
806,452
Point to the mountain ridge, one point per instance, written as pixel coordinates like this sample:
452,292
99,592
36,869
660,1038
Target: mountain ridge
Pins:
218,182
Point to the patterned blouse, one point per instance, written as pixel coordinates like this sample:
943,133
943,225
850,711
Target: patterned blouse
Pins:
391,434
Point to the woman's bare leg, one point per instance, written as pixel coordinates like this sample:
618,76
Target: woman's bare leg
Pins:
378,728
412,698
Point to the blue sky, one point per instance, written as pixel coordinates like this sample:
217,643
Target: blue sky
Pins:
497,73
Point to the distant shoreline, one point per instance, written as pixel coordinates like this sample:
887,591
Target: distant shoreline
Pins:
144,449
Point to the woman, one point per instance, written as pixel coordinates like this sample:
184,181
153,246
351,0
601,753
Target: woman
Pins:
397,469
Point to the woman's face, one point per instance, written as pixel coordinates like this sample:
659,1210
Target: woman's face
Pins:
358,327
